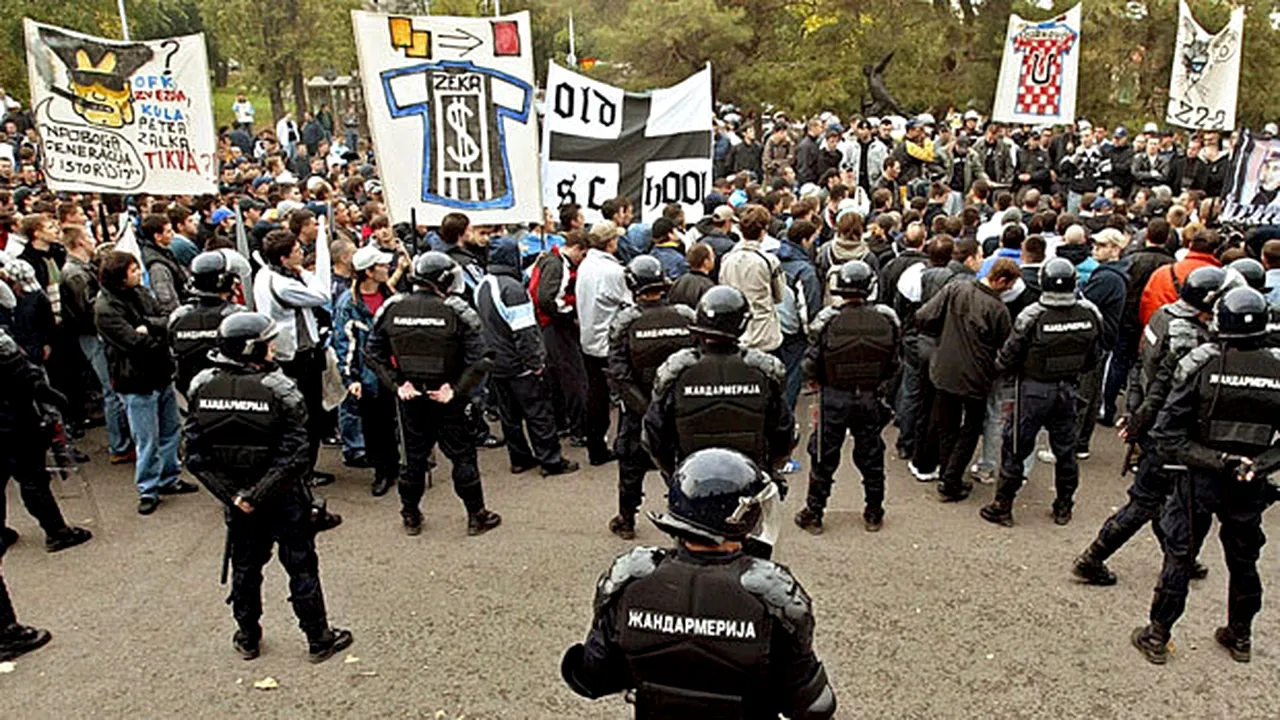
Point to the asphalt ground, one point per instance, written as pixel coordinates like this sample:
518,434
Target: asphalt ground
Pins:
939,615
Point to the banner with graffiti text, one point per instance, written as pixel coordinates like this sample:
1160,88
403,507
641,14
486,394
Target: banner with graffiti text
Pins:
123,117
450,107
1205,79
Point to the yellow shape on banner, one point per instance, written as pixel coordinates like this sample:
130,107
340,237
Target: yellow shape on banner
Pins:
401,32
421,46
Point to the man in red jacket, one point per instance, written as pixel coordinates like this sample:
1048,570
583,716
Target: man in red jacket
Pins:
551,285
1166,281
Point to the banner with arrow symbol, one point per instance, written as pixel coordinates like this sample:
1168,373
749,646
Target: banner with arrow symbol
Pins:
450,102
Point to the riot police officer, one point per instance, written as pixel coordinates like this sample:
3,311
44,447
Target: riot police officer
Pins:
1255,276
1220,420
1054,340
704,630
641,338
852,356
246,433
426,346
193,326
1173,331
717,394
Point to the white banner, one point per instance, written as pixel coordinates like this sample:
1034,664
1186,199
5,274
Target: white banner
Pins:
122,117
1206,73
1040,71
1252,192
600,142
450,108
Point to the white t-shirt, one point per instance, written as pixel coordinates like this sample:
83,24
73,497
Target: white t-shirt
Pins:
243,111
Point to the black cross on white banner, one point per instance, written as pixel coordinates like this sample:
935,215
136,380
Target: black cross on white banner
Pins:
600,142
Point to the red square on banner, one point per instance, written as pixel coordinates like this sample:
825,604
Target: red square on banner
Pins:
506,38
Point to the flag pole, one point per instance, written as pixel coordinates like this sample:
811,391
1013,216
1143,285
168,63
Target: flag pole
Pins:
124,19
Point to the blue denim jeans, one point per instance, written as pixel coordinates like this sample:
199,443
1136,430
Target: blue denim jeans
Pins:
350,429
153,418
791,353
117,423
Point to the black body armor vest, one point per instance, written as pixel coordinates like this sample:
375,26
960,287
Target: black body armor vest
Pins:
1061,342
654,336
426,340
858,348
1240,401
721,401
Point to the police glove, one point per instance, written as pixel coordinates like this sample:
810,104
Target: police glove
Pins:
1239,465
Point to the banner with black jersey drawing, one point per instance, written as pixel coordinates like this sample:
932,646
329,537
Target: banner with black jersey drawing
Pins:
1205,79
1252,192
600,142
450,108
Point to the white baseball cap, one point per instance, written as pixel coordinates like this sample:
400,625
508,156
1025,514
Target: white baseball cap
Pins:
370,255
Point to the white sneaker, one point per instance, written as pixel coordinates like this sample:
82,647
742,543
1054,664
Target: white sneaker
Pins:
922,477
1082,455
984,477
1046,457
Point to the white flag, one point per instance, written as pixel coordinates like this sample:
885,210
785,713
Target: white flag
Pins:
1040,71
1206,73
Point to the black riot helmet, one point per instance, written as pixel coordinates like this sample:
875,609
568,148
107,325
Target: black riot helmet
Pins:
644,273
1242,313
211,273
434,269
715,496
1203,287
855,279
245,336
1253,273
1058,275
722,313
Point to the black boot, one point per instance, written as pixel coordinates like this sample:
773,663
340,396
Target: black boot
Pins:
999,512
482,522
873,518
67,537
1199,571
809,520
1061,512
248,642
1153,642
564,467
382,485
1091,570
18,639
412,520
1236,643
624,526
331,641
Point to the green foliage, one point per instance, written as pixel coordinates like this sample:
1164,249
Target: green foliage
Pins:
224,97
802,55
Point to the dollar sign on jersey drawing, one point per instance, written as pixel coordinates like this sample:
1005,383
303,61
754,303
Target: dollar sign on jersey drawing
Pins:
466,151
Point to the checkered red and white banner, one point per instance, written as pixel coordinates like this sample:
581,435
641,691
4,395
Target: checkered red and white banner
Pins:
1040,71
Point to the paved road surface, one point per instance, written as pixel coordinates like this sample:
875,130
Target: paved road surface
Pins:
939,615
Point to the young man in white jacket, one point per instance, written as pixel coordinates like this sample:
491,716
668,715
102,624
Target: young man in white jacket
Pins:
287,293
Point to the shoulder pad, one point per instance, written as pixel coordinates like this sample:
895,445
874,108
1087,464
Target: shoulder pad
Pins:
8,346
671,368
632,565
1086,302
1185,335
200,379
391,301
465,312
888,312
786,601
1028,316
180,312
685,312
771,366
283,386
623,320
825,316
1191,363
